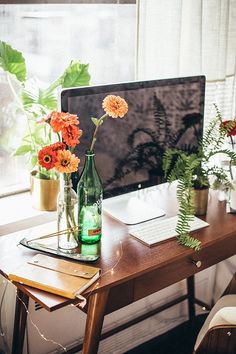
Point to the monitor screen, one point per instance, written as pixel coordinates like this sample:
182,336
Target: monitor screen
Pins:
129,151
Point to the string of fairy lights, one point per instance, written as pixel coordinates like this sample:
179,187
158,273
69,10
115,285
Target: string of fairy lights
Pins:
81,304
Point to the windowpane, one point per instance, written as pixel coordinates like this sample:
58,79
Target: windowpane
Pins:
50,36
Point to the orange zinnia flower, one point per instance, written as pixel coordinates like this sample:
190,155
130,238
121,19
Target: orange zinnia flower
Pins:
57,146
115,106
66,162
47,157
71,135
60,120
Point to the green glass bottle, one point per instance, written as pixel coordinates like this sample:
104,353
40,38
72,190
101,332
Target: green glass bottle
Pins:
89,202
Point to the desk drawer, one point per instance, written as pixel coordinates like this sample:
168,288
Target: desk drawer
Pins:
183,268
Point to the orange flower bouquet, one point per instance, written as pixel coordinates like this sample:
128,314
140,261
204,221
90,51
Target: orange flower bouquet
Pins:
59,157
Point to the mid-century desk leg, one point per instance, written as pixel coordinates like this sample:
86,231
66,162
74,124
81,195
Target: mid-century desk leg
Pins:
19,322
95,315
191,298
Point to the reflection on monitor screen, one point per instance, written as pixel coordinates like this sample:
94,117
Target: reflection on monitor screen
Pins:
129,151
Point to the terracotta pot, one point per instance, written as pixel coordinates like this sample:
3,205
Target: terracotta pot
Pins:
201,201
44,193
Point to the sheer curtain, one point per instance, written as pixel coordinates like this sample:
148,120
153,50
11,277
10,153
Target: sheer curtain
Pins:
190,37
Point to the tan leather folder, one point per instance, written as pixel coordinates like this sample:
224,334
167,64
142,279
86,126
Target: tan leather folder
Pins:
56,275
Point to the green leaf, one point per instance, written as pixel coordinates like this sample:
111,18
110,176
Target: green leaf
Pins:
76,75
39,141
34,161
38,136
22,150
36,100
43,174
26,139
12,61
48,99
95,121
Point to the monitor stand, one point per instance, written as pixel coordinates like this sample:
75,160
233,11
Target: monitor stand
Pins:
130,209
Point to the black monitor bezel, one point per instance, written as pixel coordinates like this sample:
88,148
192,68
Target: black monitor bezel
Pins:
66,93
132,85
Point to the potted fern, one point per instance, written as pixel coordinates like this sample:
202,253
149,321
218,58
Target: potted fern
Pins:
196,173
34,103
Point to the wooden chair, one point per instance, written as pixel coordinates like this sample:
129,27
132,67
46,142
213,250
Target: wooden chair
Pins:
218,333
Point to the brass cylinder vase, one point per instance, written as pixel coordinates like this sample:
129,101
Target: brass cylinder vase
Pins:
201,201
44,193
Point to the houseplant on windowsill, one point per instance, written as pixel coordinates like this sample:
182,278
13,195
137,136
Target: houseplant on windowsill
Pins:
34,102
196,173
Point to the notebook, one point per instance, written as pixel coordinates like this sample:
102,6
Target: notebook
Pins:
55,275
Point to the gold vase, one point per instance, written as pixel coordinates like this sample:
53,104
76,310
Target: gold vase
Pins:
201,201
44,193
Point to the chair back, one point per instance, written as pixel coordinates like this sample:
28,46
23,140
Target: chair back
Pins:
218,340
218,334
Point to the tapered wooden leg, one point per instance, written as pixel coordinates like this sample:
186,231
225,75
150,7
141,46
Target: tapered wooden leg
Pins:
20,322
95,316
191,298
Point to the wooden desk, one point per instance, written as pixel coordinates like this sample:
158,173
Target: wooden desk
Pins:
140,270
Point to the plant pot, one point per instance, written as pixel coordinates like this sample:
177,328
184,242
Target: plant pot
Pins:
44,193
201,201
232,197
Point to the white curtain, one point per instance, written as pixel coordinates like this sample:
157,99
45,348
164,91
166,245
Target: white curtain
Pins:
190,37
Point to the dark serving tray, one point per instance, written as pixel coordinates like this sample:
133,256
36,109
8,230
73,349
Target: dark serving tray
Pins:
84,253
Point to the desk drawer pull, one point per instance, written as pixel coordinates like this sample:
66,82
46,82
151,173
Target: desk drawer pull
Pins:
198,264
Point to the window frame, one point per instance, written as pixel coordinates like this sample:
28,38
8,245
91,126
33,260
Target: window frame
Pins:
118,2
23,188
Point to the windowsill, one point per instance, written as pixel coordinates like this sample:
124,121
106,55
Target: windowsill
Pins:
18,214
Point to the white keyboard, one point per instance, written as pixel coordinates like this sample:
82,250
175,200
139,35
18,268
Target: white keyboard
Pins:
157,230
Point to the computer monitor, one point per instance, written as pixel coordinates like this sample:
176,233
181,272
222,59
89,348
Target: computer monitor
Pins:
162,114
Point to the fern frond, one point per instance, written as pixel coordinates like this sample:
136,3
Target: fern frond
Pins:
144,131
161,118
218,114
194,170
189,241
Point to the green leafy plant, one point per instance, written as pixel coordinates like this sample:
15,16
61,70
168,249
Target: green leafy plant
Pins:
197,171
35,102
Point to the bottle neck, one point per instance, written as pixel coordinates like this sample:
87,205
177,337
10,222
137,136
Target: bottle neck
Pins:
89,179
89,158
89,153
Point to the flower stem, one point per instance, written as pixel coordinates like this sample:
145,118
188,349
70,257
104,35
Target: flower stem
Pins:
69,208
99,122
67,203
21,107
230,162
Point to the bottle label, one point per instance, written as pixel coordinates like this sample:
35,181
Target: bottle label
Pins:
98,204
94,232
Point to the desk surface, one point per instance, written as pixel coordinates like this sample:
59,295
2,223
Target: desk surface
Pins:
135,265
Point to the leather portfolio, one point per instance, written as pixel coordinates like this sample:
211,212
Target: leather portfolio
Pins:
57,276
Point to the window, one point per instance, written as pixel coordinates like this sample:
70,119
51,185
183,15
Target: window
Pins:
50,36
